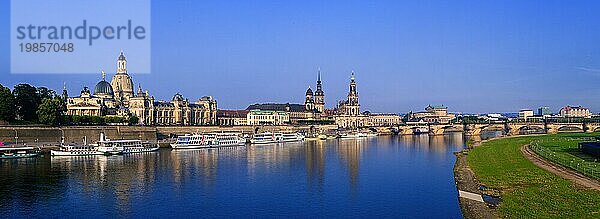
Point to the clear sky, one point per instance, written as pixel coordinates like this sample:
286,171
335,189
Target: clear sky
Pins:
473,56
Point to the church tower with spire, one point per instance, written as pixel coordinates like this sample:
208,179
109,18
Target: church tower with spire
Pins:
309,102
65,95
319,94
352,105
121,82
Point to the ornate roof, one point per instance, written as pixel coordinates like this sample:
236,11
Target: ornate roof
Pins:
287,107
122,56
178,97
309,91
319,92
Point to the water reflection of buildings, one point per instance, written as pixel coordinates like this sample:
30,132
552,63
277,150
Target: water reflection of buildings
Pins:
202,163
118,176
350,152
315,163
439,144
271,157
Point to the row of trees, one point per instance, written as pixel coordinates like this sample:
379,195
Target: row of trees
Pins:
26,104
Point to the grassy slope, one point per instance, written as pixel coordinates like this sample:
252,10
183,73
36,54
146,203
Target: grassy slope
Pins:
528,191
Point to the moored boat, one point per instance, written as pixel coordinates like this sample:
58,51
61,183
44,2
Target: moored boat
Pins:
76,150
292,137
18,152
421,130
267,138
322,136
357,135
115,147
209,140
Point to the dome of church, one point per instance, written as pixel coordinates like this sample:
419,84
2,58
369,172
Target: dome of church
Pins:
103,87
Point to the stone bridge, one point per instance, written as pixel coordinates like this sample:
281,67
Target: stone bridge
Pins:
508,128
476,129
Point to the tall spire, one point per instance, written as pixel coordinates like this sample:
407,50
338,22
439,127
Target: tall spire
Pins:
319,75
352,77
65,95
103,75
319,91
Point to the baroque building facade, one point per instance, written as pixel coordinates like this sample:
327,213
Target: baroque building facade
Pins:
436,114
311,112
118,99
347,113
315,101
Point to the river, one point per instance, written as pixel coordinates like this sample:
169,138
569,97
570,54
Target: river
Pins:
385,176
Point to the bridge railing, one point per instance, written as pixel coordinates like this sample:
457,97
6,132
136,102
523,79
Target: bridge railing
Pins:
588,168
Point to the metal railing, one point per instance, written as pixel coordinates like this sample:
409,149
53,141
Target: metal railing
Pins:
585,167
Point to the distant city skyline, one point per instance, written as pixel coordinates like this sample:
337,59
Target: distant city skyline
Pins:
474,57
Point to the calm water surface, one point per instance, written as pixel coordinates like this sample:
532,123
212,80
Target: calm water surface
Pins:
386,176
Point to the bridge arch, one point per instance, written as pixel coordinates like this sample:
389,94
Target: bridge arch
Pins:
568,128
531,129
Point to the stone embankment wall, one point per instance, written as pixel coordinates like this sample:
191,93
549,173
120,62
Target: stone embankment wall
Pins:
77,133
74,133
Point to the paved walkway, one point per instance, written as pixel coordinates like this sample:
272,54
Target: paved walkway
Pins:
470,195
559,170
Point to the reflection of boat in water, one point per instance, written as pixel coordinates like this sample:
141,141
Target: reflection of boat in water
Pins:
208,140
18,152
114,147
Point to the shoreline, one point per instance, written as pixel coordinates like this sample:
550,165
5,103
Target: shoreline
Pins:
466,181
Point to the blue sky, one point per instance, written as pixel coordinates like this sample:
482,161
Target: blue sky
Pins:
473,56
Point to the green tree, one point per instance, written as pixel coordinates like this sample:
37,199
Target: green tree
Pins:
43,92
134,120
26,102
51,111
97,120
7,104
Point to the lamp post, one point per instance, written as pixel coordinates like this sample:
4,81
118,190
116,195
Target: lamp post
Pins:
62,138
16,137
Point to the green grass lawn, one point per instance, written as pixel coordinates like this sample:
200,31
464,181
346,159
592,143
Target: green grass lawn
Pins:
565,152
528,191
